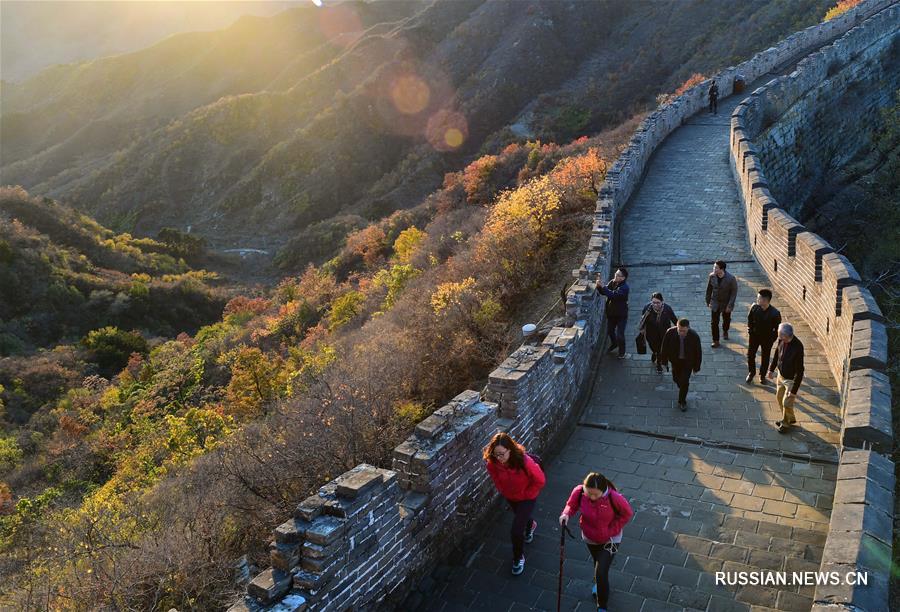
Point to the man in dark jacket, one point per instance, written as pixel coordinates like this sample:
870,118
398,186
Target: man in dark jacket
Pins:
721,292
714,98
616,292
656,318
762,324
681,348
788,359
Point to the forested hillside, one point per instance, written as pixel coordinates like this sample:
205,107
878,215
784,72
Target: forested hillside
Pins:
426,172
305,125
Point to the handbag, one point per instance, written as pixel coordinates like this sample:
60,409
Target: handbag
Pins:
640,344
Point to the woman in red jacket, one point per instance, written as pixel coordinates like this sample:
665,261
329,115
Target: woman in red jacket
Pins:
519,479
604,513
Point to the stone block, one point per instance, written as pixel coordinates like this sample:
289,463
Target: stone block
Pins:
292,602
284,557
860,518
311,581
841,269
871,597
291,531
358,481
861,303
432,426
269,586
325,530
869,345
310,508
414,502
312,550
867,411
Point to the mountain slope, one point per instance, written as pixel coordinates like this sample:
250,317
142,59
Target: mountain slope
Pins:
367,113
63,275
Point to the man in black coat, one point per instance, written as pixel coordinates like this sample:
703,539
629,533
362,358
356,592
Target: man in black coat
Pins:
616,292
681,348
762,324
788,359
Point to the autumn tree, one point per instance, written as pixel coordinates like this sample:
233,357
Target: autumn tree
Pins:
110,347
407,242
579,177
257,379
519,233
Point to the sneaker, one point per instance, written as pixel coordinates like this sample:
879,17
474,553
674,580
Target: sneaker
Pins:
782,426
612,348
529,534
763,381
749,378
658,369
682,406
518,566
622,356
715,345
725,335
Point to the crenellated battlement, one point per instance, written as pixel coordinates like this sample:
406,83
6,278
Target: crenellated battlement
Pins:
776,137
369,532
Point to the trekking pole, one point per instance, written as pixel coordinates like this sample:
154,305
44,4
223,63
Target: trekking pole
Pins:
562,559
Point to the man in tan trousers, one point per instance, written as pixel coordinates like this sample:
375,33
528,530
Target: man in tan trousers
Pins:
788,360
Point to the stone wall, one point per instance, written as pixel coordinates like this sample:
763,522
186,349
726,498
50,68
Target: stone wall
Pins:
824,287
826,113
364,536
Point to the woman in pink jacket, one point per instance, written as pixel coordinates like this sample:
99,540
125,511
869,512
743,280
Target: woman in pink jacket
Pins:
604,513
519,479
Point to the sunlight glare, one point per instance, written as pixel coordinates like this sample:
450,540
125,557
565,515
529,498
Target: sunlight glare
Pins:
447,130
410,94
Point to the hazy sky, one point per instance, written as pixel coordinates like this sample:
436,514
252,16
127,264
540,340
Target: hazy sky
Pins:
35,34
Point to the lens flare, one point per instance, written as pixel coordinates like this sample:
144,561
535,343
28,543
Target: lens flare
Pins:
447,130
410,94
453,137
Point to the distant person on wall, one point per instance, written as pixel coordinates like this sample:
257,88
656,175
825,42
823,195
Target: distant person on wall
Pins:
519,479
604,513
714,98
788,360
616,292
656,318
762,325
681,348
721,292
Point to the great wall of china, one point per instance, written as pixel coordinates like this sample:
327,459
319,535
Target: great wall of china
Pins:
366,538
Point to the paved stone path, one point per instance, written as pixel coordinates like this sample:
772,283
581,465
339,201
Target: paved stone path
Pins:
715,488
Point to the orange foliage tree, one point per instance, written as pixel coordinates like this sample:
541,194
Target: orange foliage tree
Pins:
476,179
579,177
694,79
840,8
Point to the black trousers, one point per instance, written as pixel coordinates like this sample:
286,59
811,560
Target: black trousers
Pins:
726,323
522,511
603,558
756,343
714,105
681,374
615,329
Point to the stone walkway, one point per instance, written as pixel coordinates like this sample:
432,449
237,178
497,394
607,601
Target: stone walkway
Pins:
715,488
